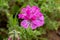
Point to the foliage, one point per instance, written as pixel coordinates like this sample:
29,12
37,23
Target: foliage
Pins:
49,8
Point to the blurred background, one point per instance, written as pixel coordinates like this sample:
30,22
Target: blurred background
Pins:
50,9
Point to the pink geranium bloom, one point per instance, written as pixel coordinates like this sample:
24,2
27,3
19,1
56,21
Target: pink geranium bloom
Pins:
32,16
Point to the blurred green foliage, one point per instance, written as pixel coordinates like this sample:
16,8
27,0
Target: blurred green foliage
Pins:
50,9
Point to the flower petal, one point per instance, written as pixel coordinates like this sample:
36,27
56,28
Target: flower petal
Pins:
41,18
23,10
25,23
38,23
28,7
34,8
21,16
33,26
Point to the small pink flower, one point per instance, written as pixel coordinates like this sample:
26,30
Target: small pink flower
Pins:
18,38
32,17
9,38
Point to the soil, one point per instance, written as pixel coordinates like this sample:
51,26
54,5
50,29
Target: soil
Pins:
53,35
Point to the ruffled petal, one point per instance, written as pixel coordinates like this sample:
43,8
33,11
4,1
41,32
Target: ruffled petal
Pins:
25,23
34,8
21,16
23,10
26,10
33,26
38,23
37,13
41,18
28,7
33,17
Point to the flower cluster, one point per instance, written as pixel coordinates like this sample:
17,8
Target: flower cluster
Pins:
32,16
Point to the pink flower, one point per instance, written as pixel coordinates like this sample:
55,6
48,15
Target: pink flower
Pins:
9,38
18,38
32,16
